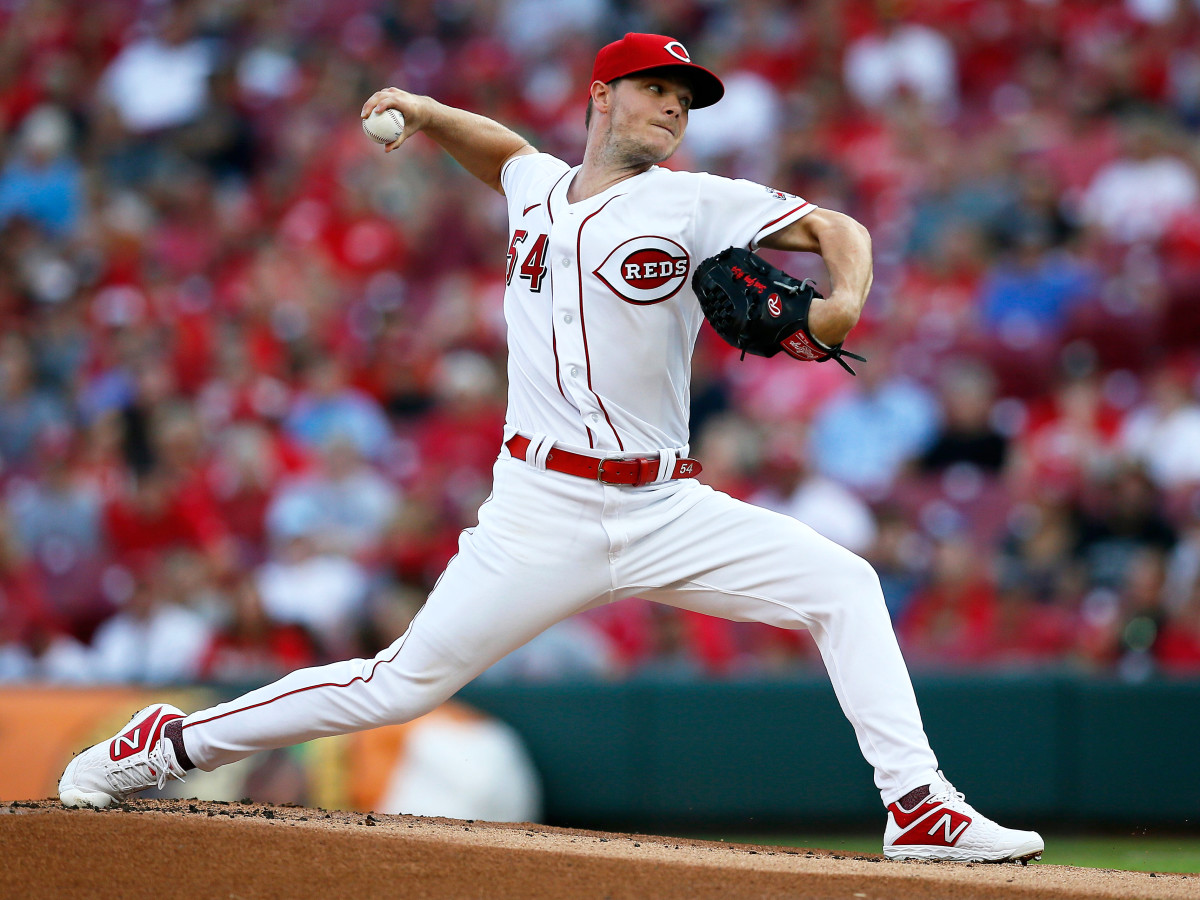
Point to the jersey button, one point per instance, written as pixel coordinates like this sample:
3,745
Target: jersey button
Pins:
574,372
566,262
568,318
595,417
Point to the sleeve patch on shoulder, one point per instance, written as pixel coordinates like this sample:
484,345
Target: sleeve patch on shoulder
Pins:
780,195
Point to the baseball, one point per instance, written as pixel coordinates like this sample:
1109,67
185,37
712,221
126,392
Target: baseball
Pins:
384,125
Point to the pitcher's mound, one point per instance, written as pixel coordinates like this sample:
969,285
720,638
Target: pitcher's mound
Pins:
196,849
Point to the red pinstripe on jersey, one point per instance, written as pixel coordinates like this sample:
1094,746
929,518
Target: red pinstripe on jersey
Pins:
583,327
553,333
549,205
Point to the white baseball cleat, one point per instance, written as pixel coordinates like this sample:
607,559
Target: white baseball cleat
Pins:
137,758
943,826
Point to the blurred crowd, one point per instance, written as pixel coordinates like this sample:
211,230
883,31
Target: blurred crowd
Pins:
252,369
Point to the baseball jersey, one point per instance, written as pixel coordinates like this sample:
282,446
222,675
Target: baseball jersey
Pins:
601,315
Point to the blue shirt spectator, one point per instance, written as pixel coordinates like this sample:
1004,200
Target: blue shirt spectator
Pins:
1033,293
329,409
864,436
26,411
40,182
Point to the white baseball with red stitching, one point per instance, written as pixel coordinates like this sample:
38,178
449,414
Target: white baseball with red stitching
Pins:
384,125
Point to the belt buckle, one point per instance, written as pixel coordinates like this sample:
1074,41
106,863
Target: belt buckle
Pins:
600,471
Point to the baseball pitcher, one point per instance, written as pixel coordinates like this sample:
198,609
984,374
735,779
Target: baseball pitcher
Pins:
595,496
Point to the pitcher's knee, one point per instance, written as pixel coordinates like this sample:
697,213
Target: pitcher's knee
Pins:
415,701
864,575
857,583
847,587
396,697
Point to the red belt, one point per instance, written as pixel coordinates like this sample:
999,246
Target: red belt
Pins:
632,472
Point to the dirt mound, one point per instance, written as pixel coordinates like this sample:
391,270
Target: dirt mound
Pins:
160,848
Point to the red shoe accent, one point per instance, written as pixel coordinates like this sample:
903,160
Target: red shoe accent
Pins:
904,817
142,735
942,828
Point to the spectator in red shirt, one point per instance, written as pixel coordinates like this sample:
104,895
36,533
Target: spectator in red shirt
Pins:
156,513
952,619
1067,435
1178,646
457,441
252,648
168,504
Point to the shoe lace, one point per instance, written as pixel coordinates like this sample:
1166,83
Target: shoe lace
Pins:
948,792
136,775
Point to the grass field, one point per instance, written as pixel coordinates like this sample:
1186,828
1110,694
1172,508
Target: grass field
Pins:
1135,853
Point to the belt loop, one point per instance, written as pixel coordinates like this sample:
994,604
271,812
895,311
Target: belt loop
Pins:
533,453
544,446
666,464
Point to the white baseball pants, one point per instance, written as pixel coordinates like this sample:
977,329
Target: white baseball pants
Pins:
549,545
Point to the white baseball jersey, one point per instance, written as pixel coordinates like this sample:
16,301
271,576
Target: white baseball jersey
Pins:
601,314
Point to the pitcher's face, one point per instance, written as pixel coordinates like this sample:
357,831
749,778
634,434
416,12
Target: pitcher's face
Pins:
648,117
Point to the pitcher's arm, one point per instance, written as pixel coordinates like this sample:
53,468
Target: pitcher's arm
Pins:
479,144
845,247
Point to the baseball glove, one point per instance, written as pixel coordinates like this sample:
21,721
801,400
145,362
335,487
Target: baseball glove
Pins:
760,309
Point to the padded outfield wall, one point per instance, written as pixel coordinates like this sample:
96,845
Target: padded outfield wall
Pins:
779,754
731,755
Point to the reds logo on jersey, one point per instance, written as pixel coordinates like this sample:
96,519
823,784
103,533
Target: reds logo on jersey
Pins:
645,269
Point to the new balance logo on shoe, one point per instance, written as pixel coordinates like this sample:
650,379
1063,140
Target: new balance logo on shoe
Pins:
130,742
931,829
142,735
941,832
